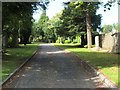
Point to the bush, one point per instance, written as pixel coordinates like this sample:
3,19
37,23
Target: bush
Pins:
67,41
57,41
9,41
75,41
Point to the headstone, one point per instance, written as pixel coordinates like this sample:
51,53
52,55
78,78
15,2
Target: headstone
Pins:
97,42
118,43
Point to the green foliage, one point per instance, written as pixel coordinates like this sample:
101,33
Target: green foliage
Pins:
57,41
44,4
17,20
78,39
9,41
47,28
75,41
74,18
111,28
71,22
67,41
107,28
116,26
41,27
79,17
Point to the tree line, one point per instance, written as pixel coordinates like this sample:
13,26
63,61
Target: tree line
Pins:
77,20
17,21
69,23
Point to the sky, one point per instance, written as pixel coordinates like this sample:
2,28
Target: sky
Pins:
108,17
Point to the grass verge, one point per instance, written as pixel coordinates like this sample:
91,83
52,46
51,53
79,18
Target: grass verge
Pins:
107,63
15,57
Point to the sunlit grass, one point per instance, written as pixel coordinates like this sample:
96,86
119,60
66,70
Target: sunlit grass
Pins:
15,57
106,62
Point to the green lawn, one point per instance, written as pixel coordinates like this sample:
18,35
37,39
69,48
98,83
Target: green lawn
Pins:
106,62
15,57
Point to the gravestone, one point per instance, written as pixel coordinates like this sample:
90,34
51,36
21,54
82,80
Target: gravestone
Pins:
97,45
116,48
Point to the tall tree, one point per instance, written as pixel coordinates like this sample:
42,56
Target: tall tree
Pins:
17,20
13,14
42,25
89,8
75,21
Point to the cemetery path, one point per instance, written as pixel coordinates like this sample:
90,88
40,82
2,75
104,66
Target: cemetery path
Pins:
53,68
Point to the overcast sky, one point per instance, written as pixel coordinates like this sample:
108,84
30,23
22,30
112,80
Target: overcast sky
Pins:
108,17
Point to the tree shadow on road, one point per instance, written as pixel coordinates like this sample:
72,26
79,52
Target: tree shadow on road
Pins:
106,62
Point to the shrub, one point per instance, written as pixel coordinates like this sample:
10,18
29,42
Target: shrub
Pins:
75,41
67,41
9,41
57,41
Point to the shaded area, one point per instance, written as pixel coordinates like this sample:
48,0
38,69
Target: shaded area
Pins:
14,57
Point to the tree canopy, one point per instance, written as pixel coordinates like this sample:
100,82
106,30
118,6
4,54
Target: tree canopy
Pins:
71,21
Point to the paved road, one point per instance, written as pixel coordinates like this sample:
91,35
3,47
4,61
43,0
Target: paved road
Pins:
53,68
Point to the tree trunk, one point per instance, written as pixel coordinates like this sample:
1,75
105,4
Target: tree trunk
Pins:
88,26
14,39
4,42
83,40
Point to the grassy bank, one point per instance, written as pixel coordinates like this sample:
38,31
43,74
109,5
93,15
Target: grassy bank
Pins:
106,62
15,57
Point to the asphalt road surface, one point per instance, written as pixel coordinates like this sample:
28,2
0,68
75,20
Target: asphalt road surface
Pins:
52,67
